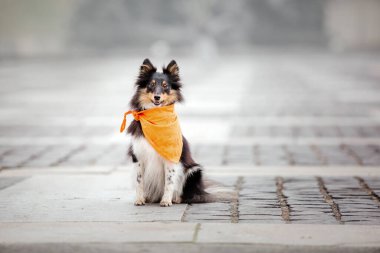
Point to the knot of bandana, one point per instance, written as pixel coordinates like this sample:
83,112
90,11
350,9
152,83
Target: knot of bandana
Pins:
135,115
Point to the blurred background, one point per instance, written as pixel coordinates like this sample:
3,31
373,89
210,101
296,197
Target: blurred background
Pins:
276,82
71,27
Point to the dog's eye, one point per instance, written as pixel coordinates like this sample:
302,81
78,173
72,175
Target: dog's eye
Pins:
153,83
164,84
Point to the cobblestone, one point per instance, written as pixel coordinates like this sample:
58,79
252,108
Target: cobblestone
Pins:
259,155
303,202
306,131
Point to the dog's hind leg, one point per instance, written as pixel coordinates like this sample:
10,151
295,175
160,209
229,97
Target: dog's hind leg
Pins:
178,185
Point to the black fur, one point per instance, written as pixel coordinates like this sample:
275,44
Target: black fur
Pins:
194,189
132,155
186,158
135,129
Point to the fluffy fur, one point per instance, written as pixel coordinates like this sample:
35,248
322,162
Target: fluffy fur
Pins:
159,180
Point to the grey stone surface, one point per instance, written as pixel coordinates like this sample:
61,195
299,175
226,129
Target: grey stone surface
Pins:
368,155
182,247
290,235
335,155
9,181
249,119
215,212
303,155
18,157
92,232
57,198
102,197
259,155
272,155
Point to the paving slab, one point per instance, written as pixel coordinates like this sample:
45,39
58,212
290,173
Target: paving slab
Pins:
241,170
79,198
175,247
17,236
92,232
301,235
8,181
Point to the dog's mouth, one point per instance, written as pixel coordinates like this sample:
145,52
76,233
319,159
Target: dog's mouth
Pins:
157,103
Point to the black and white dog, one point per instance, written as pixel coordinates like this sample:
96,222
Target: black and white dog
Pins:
158,179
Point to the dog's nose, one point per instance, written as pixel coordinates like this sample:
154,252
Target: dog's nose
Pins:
157,97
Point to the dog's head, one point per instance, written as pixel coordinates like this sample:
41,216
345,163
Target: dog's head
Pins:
156,89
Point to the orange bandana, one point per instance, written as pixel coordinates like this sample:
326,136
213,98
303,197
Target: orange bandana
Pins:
161,128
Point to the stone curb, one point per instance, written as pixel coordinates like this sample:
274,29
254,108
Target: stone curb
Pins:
215,233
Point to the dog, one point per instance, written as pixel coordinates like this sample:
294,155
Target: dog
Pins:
157,179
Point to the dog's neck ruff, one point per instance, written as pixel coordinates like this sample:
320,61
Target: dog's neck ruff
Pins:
161,128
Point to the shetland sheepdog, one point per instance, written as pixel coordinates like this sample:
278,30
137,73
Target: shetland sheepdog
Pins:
157,179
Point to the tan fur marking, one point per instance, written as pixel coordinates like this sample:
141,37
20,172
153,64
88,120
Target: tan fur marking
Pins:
174,69
151,96
145,97
145,68
171,98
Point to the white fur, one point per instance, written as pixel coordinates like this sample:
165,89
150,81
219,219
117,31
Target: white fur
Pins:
149,105
155,185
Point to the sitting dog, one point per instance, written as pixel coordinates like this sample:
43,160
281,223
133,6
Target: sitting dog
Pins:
157,178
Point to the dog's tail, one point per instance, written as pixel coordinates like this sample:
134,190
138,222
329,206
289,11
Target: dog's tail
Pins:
194,187
199,190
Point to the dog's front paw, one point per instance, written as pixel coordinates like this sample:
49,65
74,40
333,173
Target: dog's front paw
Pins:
140,202
165,203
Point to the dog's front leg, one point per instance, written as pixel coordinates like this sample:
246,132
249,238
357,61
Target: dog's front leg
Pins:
140,198
169,185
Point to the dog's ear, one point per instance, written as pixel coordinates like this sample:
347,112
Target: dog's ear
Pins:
172,68
147,66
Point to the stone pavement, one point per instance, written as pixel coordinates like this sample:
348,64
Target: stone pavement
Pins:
291,140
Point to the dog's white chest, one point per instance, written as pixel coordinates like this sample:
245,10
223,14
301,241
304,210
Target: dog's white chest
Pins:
144,152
